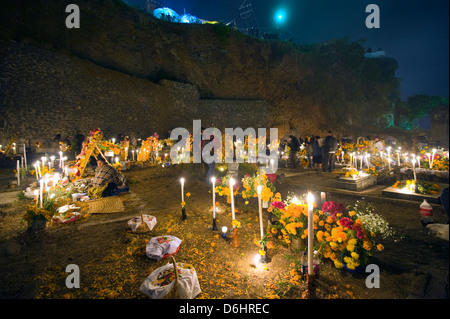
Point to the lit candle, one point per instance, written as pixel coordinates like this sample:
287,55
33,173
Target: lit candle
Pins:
182,189
232,197
361,161
132,152
398,158
259,189
310,199
38,168
414,169
36,171
429,159
52,158
41,185
432,159
224,231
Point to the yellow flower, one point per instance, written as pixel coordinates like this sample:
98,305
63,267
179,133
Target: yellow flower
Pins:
380,247
352,213
235,223
350,247
338,264
188,194
183,203
262,252
355,255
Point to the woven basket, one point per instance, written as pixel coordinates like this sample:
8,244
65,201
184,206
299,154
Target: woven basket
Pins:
143,227
106,205
173,293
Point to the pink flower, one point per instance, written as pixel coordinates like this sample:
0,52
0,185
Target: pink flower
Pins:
346,222
333,207
278,204
272,177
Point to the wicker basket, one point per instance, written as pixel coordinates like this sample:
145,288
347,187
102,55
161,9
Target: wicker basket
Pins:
143,227
106,205
173,293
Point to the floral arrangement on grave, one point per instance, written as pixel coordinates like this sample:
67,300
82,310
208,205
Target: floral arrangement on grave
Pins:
147,147
55,197
292,218
348,237
423,187
89,148
223,187
250,183
352,172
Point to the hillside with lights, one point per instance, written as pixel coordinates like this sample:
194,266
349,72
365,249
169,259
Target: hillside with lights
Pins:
311,88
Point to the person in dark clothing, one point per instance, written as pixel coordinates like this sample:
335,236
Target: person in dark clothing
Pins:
80,139
329,149
316,152
294,145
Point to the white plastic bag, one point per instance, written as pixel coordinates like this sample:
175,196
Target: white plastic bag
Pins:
135,222
155,286
162,247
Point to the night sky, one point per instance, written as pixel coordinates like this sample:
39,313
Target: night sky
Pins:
415,33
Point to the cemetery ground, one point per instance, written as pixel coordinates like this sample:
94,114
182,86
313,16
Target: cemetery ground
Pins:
113,264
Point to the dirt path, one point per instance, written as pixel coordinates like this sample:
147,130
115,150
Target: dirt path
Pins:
113,264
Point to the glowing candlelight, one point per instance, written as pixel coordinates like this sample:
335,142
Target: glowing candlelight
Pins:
36,171
429,159
259,188
398,157
310,199
41,186
182,189
224,231
414,169
432,159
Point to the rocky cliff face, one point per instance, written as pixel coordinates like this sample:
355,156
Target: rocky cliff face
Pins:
311,89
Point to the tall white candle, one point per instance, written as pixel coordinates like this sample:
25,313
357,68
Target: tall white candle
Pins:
259,189
414,169
41,186
232,197
310,199
36,171
213,181
432,159
25,156
18,173
182,189
429,159
398,158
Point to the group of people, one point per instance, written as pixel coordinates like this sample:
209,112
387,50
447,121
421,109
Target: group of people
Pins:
321,152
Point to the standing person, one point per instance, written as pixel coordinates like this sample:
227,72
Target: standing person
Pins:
80,139
295,147
316,152
309,151
329,149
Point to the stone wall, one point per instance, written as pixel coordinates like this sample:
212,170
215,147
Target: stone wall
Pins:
43,93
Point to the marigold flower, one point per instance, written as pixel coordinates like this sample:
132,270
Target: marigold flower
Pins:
380,247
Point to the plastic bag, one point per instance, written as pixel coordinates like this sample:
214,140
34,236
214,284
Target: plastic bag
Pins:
162,247
160,282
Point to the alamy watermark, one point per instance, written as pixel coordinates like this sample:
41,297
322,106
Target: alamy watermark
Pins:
227,149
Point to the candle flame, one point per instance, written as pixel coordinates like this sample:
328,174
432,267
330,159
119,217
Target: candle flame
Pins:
259,189
310,198
182,180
